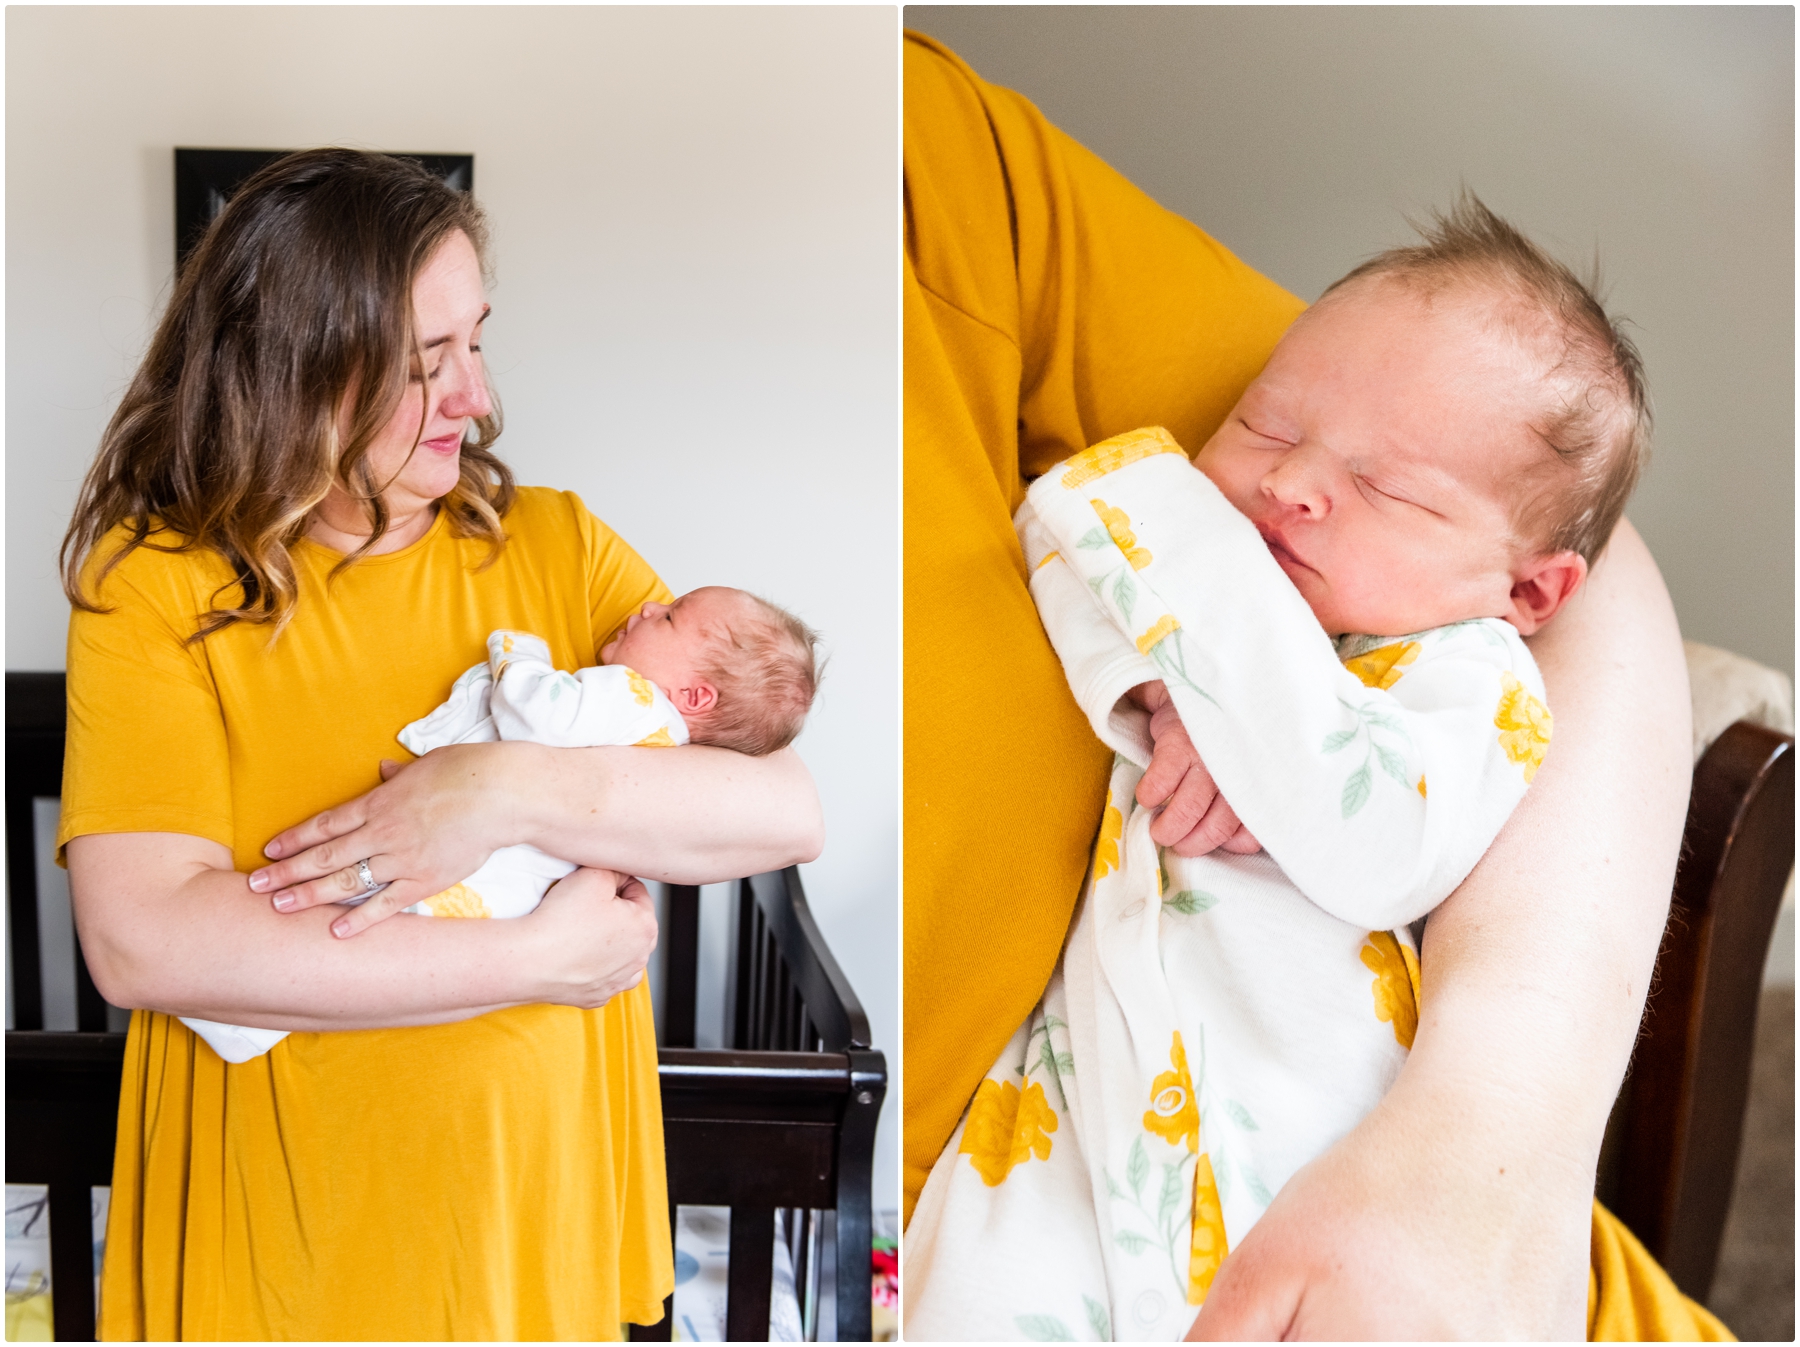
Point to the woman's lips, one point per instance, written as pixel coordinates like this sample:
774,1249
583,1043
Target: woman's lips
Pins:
445,444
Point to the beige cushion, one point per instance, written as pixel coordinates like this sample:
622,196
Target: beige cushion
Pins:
1728,688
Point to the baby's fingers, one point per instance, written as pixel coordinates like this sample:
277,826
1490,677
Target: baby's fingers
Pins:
1187,806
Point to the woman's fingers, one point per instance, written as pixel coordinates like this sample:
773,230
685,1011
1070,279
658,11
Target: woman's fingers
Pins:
347,817
606,930
380,907
326,873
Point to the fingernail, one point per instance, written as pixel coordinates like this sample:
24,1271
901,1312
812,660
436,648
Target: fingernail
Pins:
259,880
340,928
285,903
273,851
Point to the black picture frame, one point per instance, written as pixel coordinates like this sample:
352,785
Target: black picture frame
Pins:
205,180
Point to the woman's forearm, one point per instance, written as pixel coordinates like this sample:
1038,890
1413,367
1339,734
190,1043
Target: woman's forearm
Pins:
166,924
693,815
1545,953
1535,970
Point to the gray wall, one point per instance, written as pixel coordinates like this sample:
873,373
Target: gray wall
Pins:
1663,137
695,217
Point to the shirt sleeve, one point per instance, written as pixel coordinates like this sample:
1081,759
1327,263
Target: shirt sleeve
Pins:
146,748
620,582
1375,783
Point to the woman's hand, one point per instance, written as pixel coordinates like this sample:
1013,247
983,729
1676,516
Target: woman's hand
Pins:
1195,818
601,927
429,825
1376,1241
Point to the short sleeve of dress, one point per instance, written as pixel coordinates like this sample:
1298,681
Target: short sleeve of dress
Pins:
619,581
146,748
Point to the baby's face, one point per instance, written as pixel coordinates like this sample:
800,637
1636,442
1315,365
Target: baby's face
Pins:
667,642
1379,453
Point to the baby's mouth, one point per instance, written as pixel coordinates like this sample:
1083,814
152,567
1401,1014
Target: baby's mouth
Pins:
1280,550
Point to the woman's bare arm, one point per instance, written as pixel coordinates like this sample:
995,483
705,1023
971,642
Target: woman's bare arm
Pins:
1460,1207
691,815
167,924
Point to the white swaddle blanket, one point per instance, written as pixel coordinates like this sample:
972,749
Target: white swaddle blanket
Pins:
517,694
1214,1023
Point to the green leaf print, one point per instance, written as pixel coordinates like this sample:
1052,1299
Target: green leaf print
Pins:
1125,594
1132,1242
1356,790
1137,1167
1190,902
1043,1328
1171,1195
1241,1116
1255,1185
1095,538
1333,742
1113,1190
1097,1318
1393,764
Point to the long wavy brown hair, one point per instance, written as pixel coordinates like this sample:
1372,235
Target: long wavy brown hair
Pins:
287,345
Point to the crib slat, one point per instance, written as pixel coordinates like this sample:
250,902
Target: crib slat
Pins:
747,1279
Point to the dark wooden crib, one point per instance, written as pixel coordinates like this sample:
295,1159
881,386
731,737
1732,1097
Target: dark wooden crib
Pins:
783,1120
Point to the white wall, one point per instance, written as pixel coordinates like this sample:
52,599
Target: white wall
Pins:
695,218
1662,136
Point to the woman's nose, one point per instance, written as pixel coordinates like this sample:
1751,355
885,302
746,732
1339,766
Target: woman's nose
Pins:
466,393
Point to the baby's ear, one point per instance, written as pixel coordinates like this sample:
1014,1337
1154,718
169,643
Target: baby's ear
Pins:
1543,585
696,699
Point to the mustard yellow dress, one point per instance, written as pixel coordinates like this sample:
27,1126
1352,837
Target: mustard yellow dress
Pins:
500,1178
1049,305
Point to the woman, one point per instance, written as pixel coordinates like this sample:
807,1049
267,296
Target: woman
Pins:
287,549
1051,304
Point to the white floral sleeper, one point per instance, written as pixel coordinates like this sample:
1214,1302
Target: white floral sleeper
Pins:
1214,1023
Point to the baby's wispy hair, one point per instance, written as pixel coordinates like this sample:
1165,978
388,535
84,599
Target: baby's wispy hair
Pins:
1599,422
764,666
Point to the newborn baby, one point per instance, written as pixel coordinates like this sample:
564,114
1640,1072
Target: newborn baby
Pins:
1325,620
717,666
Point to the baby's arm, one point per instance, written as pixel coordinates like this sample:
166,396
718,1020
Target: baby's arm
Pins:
1376,788
608,705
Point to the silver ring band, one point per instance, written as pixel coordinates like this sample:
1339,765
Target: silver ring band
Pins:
367,876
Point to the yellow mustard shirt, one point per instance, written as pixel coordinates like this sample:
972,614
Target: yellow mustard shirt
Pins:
499,1178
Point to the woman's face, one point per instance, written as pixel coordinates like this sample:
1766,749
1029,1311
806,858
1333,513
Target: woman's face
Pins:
449,306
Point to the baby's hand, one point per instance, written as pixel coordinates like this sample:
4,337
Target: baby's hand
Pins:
1194,817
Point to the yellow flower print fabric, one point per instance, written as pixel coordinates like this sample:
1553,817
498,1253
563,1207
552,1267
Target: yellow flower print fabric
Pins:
1524,723
1382,667
1106,848
1207,1244
1006,1127
1118,525
459,900
1396,985
1174,1115
1111,455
